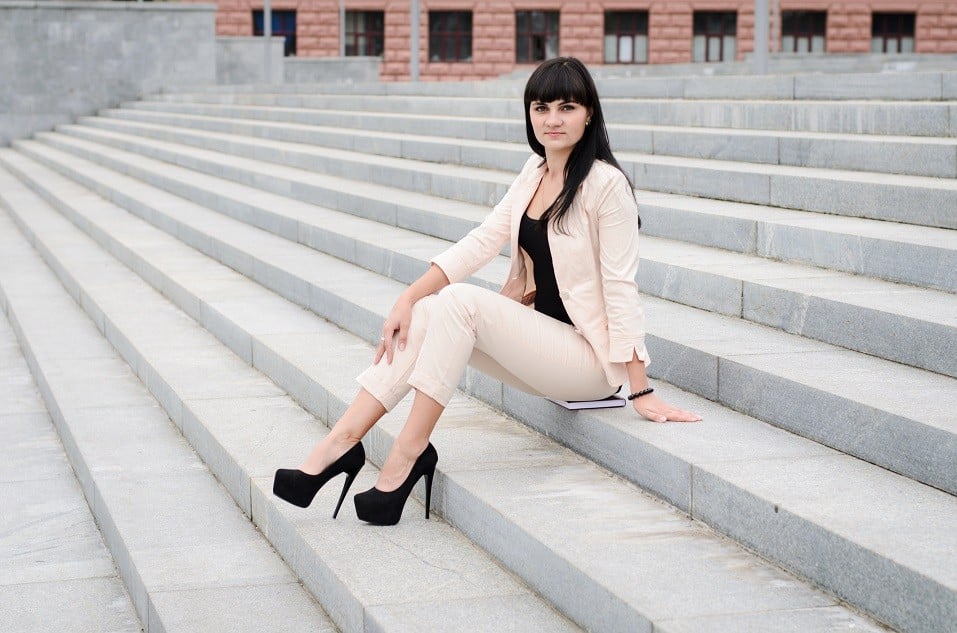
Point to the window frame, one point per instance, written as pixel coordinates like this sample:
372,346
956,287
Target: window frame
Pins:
461,39
370,35
289,43
632,31
720,35
806,23
530,35
886,34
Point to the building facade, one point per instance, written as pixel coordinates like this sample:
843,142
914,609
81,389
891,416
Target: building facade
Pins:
473,39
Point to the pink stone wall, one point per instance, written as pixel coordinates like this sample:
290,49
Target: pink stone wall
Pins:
670,24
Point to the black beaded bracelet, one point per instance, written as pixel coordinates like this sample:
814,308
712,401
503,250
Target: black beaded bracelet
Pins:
643,392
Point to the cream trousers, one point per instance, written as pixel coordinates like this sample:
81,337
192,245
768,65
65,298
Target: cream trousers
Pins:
467,325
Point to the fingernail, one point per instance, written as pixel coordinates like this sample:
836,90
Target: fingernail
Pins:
401,347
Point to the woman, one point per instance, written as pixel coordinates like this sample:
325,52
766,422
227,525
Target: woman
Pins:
568,323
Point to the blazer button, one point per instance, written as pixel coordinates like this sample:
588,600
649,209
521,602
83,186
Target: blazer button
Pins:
564,294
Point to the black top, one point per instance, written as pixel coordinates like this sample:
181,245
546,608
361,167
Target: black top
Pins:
534,241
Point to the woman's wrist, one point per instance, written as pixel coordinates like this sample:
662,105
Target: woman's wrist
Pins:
641,392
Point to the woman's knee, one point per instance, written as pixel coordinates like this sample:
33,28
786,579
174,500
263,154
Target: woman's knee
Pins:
460,295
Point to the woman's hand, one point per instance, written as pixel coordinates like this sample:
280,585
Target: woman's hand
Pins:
398,323
655,409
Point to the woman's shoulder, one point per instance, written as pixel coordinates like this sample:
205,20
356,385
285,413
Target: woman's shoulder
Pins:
604,177
605,173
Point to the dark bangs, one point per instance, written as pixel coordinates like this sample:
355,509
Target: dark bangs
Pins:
558,82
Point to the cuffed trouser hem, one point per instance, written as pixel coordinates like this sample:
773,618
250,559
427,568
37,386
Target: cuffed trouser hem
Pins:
465,324
387,397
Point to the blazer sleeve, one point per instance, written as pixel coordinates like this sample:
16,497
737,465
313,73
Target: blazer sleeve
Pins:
618,257
485,241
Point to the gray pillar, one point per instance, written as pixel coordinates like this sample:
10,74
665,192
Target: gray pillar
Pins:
760,37
342,28
414,40
267,38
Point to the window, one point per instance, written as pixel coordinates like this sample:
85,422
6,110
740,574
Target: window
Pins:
715,36
536,35
283,24
626,37
892,33
365,33
450,36
803,31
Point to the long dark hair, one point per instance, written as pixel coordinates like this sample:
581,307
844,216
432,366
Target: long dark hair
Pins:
567,79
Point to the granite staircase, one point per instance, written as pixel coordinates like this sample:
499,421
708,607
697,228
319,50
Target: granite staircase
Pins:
211,268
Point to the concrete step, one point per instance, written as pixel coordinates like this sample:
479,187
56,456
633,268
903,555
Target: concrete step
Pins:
908,199
243,426
56,574
885,86
441,139
666,465
620,561
918,255
922,256
914,326
189,558
704,347
901,118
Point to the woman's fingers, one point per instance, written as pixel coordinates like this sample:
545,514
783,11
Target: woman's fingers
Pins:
385,344
679,415
657,410
404,332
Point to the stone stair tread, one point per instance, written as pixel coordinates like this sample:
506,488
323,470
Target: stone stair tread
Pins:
56,573
919,118
375,99
269,170
912,199
922,303
256,443
794,84
858,227
929,307
153,107
174,550
500,177
737,445
451,143
357,132
593,546
867,247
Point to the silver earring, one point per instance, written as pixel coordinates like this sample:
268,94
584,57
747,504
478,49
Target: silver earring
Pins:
588,120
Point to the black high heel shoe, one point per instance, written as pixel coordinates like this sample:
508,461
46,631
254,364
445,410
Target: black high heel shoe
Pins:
385,508
299,488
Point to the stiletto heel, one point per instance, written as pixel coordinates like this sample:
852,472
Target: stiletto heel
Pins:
350,477
385,508
428,491
299,488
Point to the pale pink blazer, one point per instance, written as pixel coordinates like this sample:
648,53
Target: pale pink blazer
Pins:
595,261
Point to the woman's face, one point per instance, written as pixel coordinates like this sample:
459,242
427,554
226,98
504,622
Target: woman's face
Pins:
558,125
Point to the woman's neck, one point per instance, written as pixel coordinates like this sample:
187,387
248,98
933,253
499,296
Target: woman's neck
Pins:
555,163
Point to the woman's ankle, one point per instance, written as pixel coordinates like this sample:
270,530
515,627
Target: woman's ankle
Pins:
399,463
331,448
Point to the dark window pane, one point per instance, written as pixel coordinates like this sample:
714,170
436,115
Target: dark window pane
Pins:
536,35
283,24
450,35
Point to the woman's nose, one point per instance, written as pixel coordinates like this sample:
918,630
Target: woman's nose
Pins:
553,119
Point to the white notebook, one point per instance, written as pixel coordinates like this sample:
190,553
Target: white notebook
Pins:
605,403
